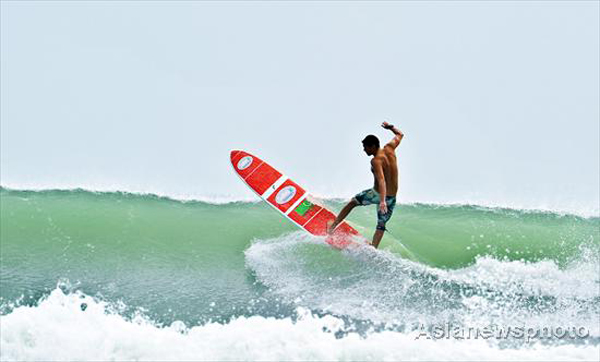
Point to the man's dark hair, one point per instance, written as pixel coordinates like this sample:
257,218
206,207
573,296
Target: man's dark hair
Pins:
371,140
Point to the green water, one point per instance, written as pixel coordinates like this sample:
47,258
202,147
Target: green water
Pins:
189,260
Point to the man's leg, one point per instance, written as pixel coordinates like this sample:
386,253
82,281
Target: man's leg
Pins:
382,219
377,237
342,215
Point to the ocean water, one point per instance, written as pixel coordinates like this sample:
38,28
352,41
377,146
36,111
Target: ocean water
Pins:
120,276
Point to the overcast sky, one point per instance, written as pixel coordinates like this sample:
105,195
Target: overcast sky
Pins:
499,101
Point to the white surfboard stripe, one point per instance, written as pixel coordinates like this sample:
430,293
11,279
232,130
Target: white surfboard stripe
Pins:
274,186
295,204
317,213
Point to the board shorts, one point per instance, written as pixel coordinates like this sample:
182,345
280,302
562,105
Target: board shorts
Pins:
371,197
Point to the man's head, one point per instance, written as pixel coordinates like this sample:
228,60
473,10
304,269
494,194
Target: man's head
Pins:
370,145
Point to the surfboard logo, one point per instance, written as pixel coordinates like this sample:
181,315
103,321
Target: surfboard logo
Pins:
244,163
285,195
303,207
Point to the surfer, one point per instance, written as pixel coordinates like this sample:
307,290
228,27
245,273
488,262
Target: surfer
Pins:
385,171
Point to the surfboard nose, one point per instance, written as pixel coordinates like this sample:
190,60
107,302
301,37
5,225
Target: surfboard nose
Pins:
235,155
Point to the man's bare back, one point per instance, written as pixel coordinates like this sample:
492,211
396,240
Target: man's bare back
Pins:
387,158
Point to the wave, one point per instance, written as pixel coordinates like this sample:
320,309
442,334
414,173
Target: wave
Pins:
220,199
75,326
215,199
158,278
437,235
381,288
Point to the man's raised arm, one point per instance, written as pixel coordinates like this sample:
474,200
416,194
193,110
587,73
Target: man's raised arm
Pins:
398,135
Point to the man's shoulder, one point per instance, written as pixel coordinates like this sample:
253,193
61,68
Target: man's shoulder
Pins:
379,159
389,150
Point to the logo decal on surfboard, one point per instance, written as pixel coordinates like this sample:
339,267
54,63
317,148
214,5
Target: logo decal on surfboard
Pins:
285,194
303,207
244,163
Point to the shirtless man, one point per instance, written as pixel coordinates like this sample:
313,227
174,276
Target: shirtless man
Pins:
383,193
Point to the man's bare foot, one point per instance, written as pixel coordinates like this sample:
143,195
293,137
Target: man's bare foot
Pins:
330,227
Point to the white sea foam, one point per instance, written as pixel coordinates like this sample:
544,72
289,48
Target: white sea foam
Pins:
58,329
539,278
383,288
573,291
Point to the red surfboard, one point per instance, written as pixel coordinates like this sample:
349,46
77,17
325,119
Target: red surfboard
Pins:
291,200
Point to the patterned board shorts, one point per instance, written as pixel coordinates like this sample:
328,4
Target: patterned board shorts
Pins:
370,197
